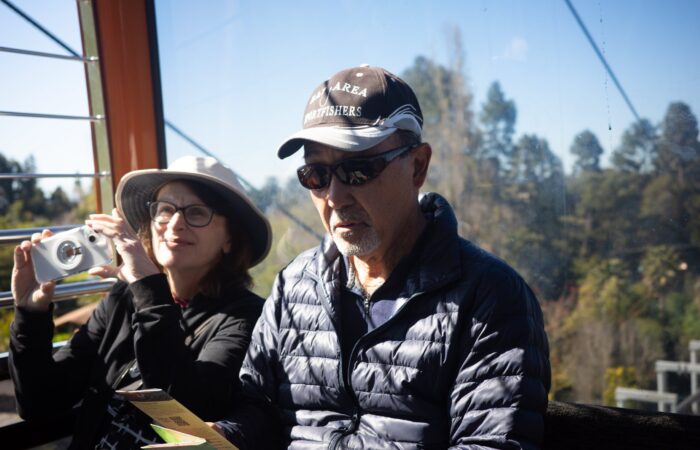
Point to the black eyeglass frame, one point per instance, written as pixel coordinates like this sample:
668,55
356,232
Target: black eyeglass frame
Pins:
375,163
184,209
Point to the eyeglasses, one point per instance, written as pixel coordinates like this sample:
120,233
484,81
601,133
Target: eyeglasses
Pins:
351,171
198,216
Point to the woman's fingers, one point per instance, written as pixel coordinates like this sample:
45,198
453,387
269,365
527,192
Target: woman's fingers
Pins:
101,217
214,426
37,237
104,271
21,256
47,288
105,228
110,225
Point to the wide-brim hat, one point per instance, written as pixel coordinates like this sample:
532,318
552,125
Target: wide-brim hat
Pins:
356,109
138,187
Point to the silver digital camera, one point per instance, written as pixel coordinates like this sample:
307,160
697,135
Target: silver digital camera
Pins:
68,253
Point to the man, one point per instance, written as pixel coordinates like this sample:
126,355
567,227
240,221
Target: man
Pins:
394,332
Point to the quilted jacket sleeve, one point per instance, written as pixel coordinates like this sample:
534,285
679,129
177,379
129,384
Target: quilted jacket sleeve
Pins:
499,396
254,422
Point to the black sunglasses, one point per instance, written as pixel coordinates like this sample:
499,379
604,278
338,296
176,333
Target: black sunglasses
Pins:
351,171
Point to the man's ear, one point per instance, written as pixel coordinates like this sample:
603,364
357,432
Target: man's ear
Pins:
421,161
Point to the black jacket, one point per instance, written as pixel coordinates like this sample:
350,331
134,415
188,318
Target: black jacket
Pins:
462,363
197,367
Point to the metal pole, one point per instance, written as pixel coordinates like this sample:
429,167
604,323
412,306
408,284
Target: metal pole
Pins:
38,26
693,375
661,388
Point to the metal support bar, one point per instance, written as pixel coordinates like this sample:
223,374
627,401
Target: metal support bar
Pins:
68,290
51,116
677,367
694,348
694,381
661,388
38,26
15,236
104,194
21,51
622,394
24,176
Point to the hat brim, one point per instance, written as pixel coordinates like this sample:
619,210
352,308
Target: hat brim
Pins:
349,139
138,187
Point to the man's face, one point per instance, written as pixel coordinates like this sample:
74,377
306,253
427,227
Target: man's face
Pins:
366,220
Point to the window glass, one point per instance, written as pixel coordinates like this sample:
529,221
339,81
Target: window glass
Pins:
39,85
564,135
593,197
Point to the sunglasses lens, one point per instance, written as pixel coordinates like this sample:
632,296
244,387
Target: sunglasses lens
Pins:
314,176
356,172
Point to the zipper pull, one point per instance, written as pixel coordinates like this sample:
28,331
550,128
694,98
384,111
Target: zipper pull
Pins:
367,305
355,421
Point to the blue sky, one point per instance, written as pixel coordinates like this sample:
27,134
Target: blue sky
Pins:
236,74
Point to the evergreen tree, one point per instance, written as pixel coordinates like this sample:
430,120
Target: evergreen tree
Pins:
498,121
638,150
678,145
588,151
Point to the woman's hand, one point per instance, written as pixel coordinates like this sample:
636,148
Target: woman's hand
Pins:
216,427
135,261
26,290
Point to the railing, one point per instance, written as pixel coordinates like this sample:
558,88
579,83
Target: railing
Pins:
17,235
68,291
661,396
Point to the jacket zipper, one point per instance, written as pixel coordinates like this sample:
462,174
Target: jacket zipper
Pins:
344,374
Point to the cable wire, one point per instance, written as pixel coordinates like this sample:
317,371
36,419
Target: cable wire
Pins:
602,58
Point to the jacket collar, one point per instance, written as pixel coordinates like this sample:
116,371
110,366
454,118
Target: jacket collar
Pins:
435,257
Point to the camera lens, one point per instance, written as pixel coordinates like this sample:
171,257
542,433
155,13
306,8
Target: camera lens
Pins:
69,254
92,238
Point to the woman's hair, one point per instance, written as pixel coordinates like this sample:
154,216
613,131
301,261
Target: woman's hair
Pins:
231,271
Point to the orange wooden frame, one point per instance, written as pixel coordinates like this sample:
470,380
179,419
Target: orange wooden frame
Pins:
131,84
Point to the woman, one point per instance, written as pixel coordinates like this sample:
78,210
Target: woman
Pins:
179,319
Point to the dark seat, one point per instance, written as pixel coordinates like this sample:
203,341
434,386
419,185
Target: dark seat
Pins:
571,426
27,434
568,426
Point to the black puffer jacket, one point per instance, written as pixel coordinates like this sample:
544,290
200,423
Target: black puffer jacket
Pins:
462,363
196,363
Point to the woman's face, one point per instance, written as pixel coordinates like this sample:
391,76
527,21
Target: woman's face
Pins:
178,246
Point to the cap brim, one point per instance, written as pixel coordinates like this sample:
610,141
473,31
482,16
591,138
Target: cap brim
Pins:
349,139
136,188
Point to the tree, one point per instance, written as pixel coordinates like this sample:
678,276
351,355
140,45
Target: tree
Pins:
588,150
498,120
638,150
535,196
678,145
265,196
532,161
449,127
58,205
8,189
425,77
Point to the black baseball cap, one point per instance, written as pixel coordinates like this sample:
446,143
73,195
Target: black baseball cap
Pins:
356,109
